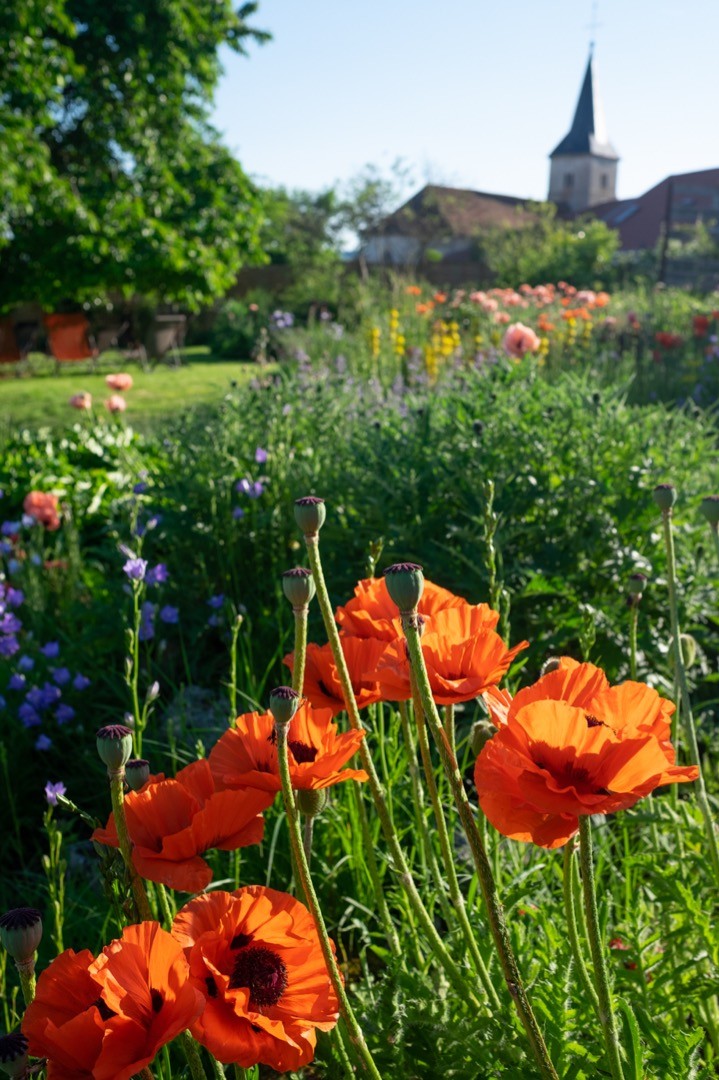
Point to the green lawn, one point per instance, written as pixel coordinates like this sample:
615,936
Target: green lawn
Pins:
42,398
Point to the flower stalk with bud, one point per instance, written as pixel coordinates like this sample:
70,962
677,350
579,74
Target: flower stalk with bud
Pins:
283,705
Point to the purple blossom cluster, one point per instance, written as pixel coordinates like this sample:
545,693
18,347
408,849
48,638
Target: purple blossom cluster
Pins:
282,320
35,687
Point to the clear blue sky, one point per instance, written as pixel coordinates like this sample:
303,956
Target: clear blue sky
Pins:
470,93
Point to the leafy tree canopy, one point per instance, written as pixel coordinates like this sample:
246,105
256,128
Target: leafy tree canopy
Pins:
112,177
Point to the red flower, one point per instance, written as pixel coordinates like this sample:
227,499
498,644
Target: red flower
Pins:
701,325
246,755
463,654
256,956
43,508
553,763
173,822
106,1018
322,685
372,613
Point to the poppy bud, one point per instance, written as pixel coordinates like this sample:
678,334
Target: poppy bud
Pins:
284,702
710,509
13,1054
310,514
637,583
665,495
550,664
21,933
312,801
689,649
482,732
405,585
114,745
137,773
298,586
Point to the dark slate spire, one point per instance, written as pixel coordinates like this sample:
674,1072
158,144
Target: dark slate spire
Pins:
588,133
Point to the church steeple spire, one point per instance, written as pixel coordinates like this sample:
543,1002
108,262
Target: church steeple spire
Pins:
584,164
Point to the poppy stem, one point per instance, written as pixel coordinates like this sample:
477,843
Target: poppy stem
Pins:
197,1069
495,912
633,619
571,913
449,727
424,844
26,971
399,861
601,975
455,892
117,794
684,707
293,821
307,838
300,653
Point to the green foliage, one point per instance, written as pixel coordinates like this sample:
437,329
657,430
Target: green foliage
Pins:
116,181
549,249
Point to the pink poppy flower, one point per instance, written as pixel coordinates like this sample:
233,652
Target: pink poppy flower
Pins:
520,339
116,403
83,400
121,382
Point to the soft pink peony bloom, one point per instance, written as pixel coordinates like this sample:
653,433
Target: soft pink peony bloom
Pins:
83,400
116,403
122,381
520,339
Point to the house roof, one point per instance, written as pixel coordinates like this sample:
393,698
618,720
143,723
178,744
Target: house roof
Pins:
678,200
437,211
588,133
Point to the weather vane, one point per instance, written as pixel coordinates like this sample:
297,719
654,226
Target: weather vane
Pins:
593,27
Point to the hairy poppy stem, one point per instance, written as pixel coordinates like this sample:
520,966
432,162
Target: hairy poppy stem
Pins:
26,971
449,727
399,861
495,912
293,821
423,839
117,794
300,654
570,910
633,620
189,1047
307,838
445,845
684,707
601,976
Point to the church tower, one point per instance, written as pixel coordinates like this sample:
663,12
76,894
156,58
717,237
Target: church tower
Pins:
583,170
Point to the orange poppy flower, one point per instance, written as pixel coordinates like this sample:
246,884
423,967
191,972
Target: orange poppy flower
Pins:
173,822
553,763
372,613
246,755
630,707
106,1018
413,290
439,297
322,684
43,508
256,956
463,653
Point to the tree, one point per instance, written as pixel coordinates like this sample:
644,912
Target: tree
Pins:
112,177
300,228
546,248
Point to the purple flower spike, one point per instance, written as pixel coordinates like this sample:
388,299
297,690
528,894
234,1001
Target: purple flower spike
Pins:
81,682
26,663
216,602
261,455
60,675
43,742
244,486
52,790
238,513
51,650
16,682
63,713
169,615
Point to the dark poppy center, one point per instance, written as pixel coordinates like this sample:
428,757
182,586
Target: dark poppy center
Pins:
264,974
593,722
569,774
240,940
301,752
104,1009
157,1000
